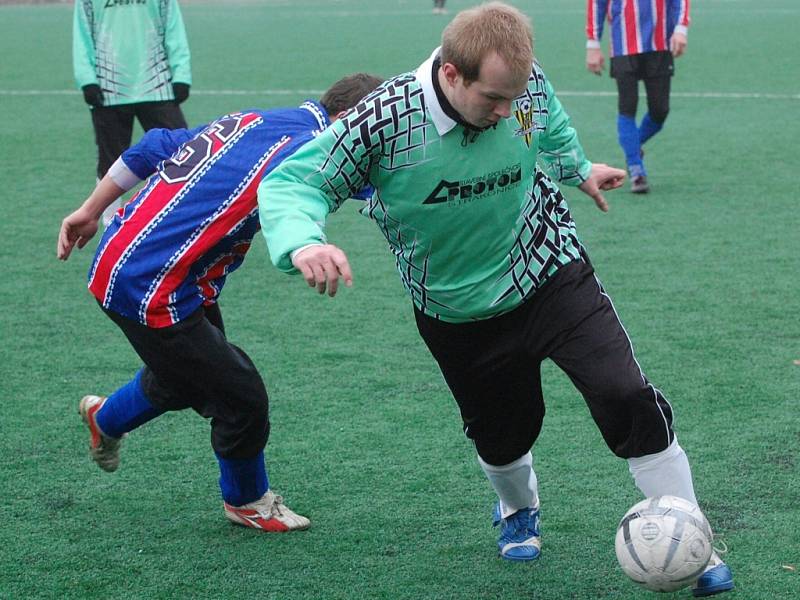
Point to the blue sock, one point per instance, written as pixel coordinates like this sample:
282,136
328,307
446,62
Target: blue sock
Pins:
242,480
628,135
648,129
126,409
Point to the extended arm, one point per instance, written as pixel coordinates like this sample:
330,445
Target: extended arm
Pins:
296,198
80,226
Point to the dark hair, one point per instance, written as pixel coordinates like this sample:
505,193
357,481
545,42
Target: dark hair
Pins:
348,91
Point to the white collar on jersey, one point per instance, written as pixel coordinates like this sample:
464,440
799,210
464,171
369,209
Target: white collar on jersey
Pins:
442,122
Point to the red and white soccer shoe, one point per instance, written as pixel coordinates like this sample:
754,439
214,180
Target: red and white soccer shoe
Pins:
103,449
268,513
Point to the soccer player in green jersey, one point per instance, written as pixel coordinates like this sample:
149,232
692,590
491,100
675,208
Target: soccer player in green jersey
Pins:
462,154
130,59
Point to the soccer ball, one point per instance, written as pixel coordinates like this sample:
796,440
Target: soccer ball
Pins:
663,543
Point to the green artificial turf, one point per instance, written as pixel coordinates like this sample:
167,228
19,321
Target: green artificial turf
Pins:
366,439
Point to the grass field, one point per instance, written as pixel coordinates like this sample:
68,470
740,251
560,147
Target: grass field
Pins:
366,438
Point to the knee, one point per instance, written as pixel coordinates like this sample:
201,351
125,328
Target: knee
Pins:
635,420
501,447
256,412
659,113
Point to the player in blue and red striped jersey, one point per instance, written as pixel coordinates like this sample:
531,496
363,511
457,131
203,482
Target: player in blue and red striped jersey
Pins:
645,37
158,272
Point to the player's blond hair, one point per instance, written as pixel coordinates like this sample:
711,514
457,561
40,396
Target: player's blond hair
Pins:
476,32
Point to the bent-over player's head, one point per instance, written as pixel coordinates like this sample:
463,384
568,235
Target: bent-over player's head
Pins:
347,92
486,59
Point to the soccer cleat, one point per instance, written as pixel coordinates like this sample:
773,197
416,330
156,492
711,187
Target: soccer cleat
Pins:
519,534
268,513
639,185
103,449
717,578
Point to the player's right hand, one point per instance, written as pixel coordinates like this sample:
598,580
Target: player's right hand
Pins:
321,266
595,60
76,229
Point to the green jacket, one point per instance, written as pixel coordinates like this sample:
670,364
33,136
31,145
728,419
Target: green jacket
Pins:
475,225
133,49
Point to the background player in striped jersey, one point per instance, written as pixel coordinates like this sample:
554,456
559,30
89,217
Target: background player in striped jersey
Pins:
158,272
486,247
645,36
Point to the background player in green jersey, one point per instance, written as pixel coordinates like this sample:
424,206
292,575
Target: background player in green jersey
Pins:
131,59
486,247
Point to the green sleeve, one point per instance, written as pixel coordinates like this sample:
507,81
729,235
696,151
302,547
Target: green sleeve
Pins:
177,45
560,151
83,55
295,199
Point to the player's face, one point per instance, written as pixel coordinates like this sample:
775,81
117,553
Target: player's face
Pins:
488,99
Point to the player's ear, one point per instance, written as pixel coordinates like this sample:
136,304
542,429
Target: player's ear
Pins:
451,73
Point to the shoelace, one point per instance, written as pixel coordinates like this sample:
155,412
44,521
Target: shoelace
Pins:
277,505
523,524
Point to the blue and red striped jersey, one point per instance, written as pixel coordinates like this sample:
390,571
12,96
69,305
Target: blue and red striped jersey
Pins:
637,26
169,250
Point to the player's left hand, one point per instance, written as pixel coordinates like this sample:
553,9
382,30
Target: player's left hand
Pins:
76,229
677,44
595,60
603,178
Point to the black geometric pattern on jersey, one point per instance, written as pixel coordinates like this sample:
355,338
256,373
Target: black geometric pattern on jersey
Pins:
540,245
382,125
413,270
388,130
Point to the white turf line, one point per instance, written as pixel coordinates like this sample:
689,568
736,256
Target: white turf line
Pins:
317,93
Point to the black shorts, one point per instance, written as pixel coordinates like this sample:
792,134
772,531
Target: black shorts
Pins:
648,65
192,364
493,369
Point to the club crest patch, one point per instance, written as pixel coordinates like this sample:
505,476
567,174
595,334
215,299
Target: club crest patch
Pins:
524,117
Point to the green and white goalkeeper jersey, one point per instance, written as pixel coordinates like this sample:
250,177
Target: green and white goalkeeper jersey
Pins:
474,224
133,49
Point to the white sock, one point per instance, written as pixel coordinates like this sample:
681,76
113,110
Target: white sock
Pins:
515,484
664,473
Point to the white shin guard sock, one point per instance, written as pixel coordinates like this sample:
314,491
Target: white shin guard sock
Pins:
665,473
515,484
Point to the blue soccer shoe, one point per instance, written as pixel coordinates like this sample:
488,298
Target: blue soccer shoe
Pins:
519,534
716,579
